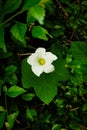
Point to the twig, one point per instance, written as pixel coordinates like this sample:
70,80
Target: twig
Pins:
72,35
74,109
64,11
11,18
81,126
37,106
25,54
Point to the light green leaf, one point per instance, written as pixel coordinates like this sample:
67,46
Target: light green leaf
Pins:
11,5
56,127
45,88
30,113
14,91
11,119
18,31
39,32
2,118
38,13
30,3
2,108
2,41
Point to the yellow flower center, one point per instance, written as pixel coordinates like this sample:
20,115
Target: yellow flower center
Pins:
42,61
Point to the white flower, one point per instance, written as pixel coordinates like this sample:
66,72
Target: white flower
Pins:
41,61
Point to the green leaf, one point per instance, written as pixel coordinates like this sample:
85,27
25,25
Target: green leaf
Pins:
18,31
30,18
11,79
59,102
45,88
79,49
84,106
2,108
30,3
2,118
10,69
39,32
2,41
30,113
11,119
61,72
74,126
5,55
14,91
28,96
65,1
38,13
43,2
56,127
11,5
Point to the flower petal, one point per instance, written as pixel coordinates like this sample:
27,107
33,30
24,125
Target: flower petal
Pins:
37,70
33,59
49,69
40,51
50,57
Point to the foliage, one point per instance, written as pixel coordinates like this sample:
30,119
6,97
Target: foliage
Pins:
54,101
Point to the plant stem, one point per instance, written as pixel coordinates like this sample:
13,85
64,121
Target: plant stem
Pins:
12,17
64,11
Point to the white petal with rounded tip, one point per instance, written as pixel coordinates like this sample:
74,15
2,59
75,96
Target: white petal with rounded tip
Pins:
37,70
49,69
40,51
33,59
50,57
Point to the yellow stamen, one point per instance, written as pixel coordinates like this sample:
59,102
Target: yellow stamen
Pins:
42,61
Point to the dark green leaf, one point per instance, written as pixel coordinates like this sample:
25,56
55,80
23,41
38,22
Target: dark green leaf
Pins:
61,72
2,41
65,1
2,118
11,5
30,3
10,69
79,49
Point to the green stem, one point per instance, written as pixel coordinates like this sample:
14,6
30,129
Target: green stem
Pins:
12,17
